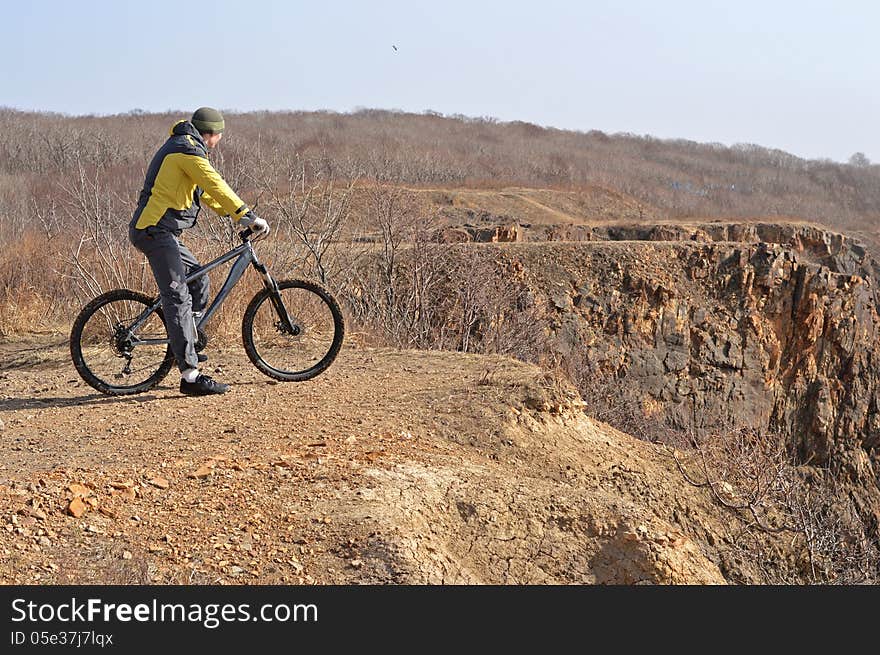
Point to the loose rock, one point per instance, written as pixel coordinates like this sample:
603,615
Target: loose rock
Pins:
77,508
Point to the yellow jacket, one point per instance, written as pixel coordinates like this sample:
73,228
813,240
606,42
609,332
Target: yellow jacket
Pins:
179,178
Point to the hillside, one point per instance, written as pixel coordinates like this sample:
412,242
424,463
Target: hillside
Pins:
677,177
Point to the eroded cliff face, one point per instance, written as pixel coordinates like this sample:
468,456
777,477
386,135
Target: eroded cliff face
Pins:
713,334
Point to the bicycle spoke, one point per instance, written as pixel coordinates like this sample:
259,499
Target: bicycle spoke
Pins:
107,354
311,346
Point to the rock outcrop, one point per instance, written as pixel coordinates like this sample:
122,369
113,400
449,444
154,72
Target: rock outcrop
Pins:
710,334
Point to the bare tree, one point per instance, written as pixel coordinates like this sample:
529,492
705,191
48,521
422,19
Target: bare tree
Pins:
311,205
100,254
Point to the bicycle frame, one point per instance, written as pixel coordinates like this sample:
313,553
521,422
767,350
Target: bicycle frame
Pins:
245,256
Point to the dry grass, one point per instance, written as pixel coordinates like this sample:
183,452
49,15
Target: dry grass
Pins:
28,313
34,296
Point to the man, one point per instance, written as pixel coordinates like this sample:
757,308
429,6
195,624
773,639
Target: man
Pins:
179,179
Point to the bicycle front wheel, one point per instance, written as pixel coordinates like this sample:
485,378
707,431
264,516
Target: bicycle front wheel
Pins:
109,355
311,347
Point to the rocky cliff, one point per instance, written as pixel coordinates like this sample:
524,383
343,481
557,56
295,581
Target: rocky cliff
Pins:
716,327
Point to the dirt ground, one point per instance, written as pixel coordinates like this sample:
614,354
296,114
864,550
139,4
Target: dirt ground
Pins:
393,467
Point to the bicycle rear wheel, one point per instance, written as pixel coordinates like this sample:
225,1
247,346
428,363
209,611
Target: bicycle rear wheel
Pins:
317,336
106,353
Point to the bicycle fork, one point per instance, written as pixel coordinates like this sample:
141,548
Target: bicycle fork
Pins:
285,322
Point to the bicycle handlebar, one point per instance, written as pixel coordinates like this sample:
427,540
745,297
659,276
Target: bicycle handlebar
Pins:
249,232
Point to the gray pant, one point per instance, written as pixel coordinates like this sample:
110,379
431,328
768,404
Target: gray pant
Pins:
171,261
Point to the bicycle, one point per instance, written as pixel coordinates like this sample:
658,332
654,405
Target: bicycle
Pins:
292,329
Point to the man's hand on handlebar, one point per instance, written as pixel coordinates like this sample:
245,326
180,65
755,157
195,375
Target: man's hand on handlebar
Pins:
257,225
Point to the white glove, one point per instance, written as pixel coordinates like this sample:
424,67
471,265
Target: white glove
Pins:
260,226
257,224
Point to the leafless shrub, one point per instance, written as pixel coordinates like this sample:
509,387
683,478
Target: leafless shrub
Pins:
100,253
784,508
447,297
309,204
481,309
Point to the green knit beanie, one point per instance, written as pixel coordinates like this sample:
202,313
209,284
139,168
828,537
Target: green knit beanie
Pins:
207,120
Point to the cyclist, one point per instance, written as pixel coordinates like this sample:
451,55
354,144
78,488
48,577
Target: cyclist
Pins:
179,179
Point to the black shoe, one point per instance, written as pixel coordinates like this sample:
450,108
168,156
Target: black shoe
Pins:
203,386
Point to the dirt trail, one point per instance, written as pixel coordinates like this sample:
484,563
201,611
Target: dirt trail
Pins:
550,211
392,467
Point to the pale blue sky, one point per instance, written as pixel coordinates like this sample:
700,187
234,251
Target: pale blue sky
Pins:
802,76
